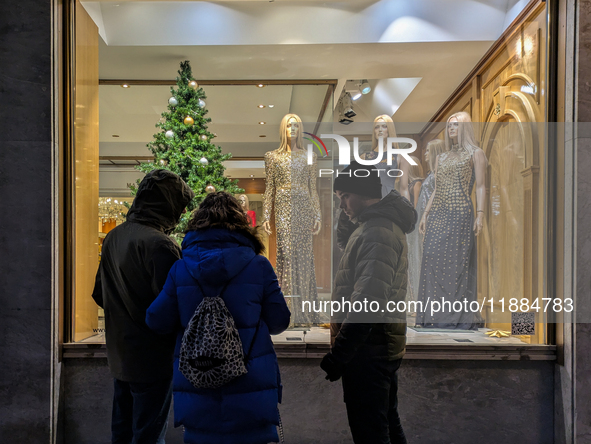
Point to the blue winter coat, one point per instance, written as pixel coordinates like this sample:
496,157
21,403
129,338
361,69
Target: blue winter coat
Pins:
243,411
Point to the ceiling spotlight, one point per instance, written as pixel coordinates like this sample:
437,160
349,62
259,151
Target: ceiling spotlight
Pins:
352,87
271,106
260,85
262,123
364,87
261,106
125,85
252,175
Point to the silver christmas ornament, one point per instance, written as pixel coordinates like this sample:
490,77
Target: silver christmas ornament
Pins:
203,137
204,161
209,189
173,102
169,134
201,103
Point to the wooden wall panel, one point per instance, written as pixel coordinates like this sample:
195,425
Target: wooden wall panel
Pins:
86,153
508,85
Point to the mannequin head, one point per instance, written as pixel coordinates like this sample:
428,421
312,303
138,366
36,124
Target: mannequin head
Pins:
243,199
434,149
459,130
382,124
290,133
416,171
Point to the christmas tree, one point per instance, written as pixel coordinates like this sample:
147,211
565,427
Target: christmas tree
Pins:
184,145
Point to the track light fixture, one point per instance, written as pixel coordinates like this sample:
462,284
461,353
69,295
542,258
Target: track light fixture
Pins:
357,88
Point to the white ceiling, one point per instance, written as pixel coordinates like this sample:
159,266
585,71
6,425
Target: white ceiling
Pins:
415,53
170,23
132,113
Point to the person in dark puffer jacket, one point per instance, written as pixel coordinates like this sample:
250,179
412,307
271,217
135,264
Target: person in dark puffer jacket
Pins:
136,258
367,347
221,245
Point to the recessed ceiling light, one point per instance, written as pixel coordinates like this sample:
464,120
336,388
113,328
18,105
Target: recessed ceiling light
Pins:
252,175
260,106
262,135
262,123
271,106
125,85
115,135
260,85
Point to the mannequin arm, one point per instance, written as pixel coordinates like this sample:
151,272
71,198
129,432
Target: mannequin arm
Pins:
314,198
405,167
269,193
416,191
480,164
423,223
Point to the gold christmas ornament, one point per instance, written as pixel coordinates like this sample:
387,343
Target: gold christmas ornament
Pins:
193,84
209,189
203,137
189,120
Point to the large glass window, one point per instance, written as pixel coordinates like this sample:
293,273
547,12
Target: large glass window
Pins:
495,73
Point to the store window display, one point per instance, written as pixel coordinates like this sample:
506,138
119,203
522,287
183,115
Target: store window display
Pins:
449,266
291,196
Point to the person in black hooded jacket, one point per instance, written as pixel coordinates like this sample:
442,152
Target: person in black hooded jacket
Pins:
368,346
136,258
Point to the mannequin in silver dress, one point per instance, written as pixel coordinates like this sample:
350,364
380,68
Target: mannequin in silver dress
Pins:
448,267
291,193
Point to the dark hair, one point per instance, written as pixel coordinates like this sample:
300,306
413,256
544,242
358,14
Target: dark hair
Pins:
222,210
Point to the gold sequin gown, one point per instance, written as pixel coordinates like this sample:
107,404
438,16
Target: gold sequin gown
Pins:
448,267
291,190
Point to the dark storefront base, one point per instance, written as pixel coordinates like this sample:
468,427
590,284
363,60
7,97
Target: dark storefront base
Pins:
441,402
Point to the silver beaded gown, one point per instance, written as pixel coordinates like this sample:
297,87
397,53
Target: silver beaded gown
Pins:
291,190
414,262
414,267
448,267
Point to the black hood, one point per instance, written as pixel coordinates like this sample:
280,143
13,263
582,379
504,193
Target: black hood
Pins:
160,200
395,208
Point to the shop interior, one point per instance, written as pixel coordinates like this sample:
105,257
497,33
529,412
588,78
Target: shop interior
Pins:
257,61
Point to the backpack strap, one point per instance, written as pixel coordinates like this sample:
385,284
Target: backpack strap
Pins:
247,358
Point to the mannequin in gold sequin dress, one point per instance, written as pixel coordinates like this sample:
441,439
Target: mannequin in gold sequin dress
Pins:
291,189
448,267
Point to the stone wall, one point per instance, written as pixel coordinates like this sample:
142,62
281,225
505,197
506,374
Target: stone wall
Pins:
25,221
441,402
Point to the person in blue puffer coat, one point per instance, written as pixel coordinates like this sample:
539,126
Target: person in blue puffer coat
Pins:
220,245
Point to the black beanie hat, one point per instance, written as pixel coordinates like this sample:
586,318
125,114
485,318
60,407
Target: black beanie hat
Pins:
351,180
